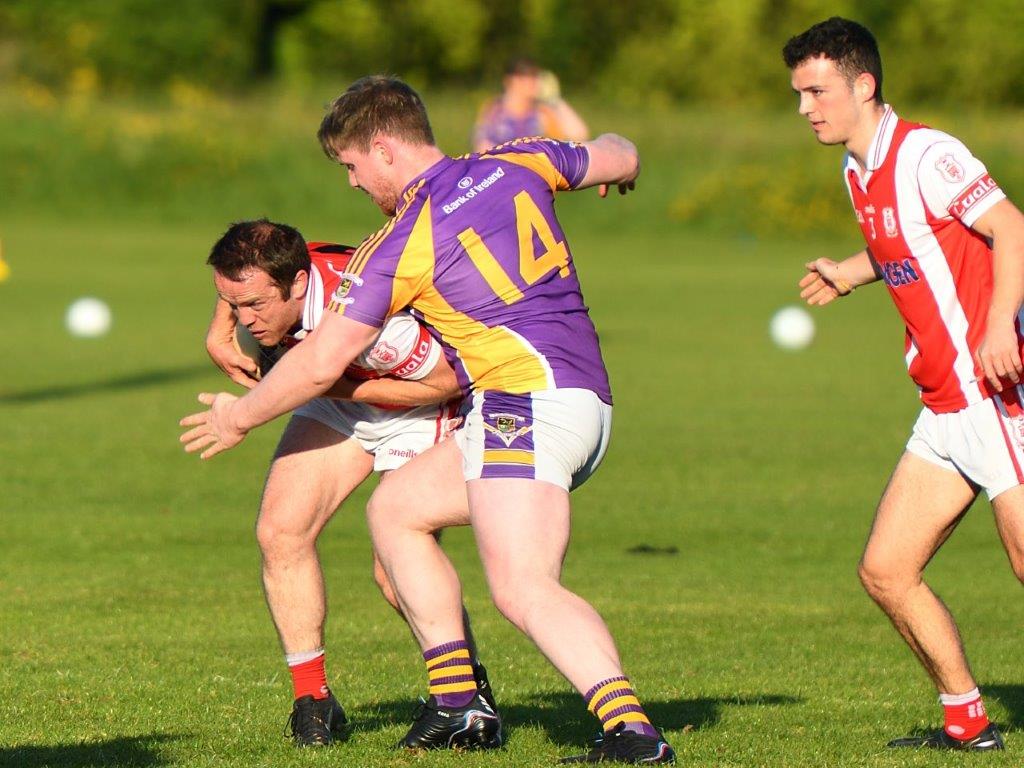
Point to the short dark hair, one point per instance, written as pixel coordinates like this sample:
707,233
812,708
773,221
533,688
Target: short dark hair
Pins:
277,249
522,65
370,106
850,45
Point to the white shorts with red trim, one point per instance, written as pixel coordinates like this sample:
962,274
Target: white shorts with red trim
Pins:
557,435
392,436
984,442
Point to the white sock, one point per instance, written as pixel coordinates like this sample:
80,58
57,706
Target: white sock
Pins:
951,699
302,656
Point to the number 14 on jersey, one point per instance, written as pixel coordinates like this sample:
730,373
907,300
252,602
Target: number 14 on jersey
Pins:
529,220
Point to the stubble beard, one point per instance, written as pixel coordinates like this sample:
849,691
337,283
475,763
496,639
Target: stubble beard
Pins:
387,202
384,196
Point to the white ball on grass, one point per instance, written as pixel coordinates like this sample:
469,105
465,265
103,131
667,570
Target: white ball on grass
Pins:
792,328
87,318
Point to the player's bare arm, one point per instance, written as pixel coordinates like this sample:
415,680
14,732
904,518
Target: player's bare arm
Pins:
827,280
438,386
306,371
998,354
571,126
613,160
220,345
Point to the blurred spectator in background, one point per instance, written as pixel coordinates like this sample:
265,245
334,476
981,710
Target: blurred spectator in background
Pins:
531,105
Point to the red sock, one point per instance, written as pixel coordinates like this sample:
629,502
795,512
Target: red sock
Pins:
965,714
309,678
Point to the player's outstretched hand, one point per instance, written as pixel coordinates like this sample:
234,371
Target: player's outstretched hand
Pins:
240,368
602,189
214,430
998,355
822,283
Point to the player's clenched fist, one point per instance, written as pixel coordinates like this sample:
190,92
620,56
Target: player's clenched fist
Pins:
239,368
214,430
223,348
998,356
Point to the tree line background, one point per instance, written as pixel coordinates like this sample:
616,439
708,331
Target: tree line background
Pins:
203,109
723,52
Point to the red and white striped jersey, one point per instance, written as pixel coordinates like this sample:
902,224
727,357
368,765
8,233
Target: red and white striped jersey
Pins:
403,349
916,201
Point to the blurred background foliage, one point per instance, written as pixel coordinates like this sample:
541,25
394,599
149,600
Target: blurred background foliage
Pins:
677,50
208,109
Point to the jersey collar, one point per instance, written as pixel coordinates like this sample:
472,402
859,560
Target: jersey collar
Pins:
879,148
313,309
434,170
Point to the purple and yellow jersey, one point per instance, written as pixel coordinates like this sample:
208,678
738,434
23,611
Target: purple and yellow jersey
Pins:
496,125
476,251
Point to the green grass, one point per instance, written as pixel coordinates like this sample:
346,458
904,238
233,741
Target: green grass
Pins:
132,625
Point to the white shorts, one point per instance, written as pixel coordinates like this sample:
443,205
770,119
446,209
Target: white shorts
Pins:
393,437
984,442
557,435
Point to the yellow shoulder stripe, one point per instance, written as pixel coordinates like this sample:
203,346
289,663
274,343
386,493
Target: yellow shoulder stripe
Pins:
539,163
363,253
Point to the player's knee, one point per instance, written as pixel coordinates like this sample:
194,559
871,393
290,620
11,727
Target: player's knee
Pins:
1015,553
1018,570
513,598
1017,563
508,604
279,537
380,512
882,579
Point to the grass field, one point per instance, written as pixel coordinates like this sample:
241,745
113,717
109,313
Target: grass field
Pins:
132,626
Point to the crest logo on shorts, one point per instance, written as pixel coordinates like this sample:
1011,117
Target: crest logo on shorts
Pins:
889,220
1018,424
506,427
384,353
950,169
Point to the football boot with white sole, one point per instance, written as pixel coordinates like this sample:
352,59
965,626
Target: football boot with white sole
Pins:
474,726
621,746
988,739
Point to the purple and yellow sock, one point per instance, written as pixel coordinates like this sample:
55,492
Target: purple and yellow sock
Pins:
451,674
614,702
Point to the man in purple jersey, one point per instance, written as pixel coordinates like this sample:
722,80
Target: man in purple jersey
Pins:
474,248
529,105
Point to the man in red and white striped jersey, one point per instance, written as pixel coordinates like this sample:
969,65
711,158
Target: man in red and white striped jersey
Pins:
398,398
950,248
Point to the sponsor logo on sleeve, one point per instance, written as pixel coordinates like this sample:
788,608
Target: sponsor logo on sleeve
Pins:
950,169
973,195
413,363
